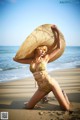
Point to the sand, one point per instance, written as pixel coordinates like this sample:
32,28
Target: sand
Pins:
13,95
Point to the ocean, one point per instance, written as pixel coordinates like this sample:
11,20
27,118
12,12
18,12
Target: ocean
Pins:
11,70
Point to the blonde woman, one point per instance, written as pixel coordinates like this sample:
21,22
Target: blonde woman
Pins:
45,83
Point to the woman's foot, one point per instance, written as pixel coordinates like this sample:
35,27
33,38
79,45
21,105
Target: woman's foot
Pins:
45,99
25,104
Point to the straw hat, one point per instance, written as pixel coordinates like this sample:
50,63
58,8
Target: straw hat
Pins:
42,35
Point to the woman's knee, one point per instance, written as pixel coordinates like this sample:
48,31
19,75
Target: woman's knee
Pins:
28,106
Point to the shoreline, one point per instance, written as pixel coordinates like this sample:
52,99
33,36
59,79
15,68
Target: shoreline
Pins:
13,94
31,76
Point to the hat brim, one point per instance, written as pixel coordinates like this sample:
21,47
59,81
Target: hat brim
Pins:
42,35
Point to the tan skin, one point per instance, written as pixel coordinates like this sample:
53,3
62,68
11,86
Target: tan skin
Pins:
41,54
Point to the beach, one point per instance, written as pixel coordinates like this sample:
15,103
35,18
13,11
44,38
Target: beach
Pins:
13,94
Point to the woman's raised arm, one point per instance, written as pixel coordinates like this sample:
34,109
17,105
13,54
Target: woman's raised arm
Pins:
24,61
56,35
57,40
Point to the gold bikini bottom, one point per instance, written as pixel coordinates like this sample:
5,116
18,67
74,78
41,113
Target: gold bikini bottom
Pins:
43,81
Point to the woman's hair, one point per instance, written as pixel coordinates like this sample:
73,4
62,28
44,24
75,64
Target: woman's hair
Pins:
43,47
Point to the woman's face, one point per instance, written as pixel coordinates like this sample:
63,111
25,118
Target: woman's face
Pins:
41,51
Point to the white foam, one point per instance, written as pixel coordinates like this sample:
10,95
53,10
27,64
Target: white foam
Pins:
1,69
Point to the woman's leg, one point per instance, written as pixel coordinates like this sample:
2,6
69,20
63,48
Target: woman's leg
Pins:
65,96
59,95
35,99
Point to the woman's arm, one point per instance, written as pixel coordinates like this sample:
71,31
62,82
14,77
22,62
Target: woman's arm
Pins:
24,61
57,40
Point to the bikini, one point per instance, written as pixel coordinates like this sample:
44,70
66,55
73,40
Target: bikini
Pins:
41,76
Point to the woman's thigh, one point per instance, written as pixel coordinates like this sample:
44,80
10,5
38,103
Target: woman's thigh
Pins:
36,98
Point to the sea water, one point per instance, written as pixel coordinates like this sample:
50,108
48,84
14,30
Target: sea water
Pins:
11,70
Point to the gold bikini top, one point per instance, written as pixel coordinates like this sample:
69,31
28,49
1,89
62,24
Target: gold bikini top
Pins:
37,67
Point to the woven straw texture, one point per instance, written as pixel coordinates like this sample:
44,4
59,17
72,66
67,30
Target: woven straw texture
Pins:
42,35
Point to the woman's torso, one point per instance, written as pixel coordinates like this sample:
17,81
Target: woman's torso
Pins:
39,70
41,76
37,67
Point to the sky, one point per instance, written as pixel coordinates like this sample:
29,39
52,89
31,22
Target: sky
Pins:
18,18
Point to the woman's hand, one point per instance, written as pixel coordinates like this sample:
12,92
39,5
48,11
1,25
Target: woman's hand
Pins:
54,27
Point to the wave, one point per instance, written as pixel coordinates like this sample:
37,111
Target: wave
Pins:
5,69
12,68
13,76
74,64
51,66
9,79
1,69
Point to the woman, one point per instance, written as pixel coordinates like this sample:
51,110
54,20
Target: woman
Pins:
45,83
